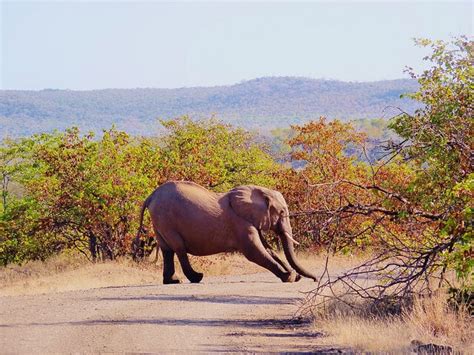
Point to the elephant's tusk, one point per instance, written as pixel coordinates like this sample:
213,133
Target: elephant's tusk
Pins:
291,238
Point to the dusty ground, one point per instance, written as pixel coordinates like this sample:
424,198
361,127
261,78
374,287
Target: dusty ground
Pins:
244,313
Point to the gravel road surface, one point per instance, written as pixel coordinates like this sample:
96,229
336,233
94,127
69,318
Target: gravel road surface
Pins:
238,313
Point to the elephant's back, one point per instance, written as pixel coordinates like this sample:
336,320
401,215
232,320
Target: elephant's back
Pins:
196,213
182,194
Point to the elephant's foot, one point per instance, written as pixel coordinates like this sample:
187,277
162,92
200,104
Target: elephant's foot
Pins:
171,280
291,276
196,277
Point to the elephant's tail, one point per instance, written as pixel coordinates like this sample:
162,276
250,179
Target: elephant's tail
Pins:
136,245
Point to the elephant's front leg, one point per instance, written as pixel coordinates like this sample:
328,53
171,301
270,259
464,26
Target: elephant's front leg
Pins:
254,250
275,256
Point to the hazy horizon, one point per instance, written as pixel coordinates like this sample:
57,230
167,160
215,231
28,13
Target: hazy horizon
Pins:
124,45
214,86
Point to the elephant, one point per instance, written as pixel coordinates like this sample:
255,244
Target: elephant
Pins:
188,218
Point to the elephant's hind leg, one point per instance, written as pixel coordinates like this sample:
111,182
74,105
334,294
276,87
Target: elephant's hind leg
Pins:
169,276
193,276
176,243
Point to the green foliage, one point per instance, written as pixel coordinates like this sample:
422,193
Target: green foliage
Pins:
440,141
19,217
85,193
80,192
214,155
18,224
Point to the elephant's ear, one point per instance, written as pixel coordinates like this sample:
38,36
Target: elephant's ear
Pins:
252,204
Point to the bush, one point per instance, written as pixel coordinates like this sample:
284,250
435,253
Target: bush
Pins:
85,193
420,213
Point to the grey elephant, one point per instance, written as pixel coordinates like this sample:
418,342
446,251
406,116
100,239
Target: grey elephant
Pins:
187,218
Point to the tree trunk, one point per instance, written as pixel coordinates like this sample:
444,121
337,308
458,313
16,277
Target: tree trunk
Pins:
93,247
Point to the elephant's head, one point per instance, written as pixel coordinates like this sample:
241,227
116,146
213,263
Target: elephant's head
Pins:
267,210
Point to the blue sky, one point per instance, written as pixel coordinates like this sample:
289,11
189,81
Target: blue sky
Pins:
95,45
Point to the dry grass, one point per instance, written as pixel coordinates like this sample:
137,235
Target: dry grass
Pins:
67,272
72,272
12,273
429,320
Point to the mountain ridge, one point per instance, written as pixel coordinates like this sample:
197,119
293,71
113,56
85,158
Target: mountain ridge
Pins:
261,103
246,81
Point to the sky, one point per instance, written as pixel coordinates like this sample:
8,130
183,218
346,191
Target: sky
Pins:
85,45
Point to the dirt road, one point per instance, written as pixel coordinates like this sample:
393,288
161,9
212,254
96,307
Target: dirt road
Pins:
243,313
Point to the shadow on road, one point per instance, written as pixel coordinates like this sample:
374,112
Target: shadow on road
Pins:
304,334
227,299
188,284
244,323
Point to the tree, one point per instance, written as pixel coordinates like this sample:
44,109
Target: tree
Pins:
79,193
439,139
85,193
214,155
429,215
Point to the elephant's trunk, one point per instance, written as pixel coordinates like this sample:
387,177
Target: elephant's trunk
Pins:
289,250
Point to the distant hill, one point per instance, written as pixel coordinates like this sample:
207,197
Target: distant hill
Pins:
263,103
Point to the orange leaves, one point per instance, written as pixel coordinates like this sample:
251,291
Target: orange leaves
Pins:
325,138
342,195
328,148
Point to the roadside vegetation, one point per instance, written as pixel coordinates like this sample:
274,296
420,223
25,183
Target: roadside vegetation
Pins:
403,199
430,320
